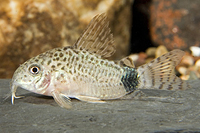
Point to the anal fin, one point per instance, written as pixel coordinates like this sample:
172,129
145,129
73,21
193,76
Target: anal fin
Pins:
62,100
89,99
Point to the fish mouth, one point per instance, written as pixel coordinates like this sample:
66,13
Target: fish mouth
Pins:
14,87
39,85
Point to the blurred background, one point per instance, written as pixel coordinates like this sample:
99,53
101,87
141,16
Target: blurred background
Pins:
142,29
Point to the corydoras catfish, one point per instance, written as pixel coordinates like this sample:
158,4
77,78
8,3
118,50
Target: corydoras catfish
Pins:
82,71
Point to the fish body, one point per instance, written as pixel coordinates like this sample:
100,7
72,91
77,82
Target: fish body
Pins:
82,71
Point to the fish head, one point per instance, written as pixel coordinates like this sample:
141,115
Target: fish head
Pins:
32,75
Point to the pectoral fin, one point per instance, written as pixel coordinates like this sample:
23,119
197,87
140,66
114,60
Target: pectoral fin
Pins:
89,99
61,99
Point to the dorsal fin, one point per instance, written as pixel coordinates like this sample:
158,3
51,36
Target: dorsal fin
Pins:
97,37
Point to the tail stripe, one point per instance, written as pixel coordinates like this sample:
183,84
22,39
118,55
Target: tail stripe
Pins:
159,73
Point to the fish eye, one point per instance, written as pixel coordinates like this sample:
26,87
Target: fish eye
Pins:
34,69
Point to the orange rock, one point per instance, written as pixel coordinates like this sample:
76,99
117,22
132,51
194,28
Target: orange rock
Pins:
173,23
28,28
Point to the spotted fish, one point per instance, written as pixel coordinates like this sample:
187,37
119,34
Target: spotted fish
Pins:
82,71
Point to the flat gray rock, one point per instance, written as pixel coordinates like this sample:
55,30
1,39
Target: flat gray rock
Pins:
155,111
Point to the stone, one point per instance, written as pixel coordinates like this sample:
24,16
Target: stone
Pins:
197,66
160,51
197,63
195,50
28,28
184,77
174,23
151,51
182,70
141,60
187,60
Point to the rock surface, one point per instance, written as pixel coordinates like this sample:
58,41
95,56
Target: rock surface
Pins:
175,23
157,111
35,26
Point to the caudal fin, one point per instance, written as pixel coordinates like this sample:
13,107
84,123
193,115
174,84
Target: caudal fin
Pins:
159,73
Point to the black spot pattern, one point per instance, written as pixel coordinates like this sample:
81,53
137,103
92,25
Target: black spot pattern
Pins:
130,79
